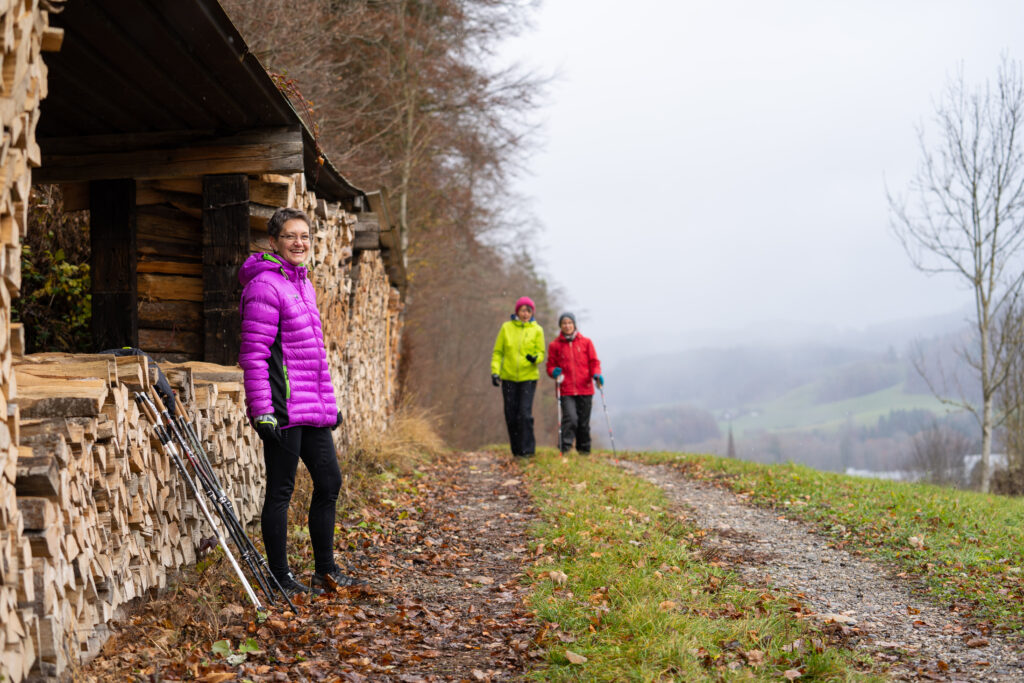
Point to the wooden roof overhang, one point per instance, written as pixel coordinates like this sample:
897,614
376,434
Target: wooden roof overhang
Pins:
167,88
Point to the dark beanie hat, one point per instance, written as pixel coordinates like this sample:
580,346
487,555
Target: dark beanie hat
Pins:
568,315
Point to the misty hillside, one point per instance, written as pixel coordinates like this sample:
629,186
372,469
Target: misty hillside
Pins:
721,380
787,401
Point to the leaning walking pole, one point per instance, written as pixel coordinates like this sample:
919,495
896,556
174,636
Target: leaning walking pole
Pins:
171,449
609,422
253,557
215,494
558,402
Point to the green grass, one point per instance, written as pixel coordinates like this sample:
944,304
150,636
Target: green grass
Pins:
800,409
969,547
642,601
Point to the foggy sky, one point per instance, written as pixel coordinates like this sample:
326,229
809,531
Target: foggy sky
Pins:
719,164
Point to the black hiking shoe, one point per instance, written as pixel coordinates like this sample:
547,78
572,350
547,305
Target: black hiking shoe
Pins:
334,579
292,587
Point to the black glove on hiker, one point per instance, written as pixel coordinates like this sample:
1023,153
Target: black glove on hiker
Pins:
268,429
337,423
496,380
532,358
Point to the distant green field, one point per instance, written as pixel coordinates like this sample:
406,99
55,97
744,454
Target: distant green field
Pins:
800,410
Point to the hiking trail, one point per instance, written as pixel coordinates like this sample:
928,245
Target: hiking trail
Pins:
882,613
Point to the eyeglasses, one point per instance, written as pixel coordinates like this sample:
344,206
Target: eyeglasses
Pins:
293,238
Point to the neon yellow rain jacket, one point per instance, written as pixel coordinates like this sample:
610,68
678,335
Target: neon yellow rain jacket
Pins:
515,341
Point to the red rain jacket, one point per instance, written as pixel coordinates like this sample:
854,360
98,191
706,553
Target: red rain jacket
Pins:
578,361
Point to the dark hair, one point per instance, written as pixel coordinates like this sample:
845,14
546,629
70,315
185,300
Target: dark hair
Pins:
282,216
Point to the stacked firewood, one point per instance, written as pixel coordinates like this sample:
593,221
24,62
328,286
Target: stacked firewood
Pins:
24,33
362,382
105,514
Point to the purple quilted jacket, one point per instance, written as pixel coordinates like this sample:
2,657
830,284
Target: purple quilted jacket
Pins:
282,354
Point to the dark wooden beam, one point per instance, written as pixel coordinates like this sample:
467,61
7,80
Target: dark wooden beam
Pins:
112,237
367,237
169,155
225,248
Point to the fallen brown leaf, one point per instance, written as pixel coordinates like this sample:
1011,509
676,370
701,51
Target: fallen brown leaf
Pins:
575,658
558,578
217,677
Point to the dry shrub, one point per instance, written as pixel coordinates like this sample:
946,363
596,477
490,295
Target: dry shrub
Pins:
411,436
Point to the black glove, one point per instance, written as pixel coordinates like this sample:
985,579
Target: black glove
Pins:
496,380
532,358
337,423
268,429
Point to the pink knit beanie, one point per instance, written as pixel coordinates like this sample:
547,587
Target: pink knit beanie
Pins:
525,301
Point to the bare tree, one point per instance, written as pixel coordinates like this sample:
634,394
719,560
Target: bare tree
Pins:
938,453
966,217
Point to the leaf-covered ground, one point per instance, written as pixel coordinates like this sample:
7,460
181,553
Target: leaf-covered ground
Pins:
443,549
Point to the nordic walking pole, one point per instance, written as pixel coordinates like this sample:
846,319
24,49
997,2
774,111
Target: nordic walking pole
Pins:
241,539
558,402
609,422
170,448
222,505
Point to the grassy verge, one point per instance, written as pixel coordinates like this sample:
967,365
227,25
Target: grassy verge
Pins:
625,592
966,547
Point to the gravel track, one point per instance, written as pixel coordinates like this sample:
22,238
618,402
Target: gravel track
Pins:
888,615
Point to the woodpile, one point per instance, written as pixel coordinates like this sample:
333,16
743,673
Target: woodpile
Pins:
24,33
365,378
105,516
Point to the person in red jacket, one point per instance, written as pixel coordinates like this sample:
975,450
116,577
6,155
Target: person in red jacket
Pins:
573,363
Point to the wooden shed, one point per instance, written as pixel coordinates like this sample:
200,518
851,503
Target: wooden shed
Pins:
174,136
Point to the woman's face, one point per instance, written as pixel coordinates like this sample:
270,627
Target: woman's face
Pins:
567,327
525,313
293,243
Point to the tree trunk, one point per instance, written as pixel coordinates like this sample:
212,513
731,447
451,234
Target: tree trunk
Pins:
987,393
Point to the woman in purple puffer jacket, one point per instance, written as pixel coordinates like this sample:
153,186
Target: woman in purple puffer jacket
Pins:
290,397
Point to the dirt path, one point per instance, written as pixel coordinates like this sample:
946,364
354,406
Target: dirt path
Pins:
461,564
443,551
884,613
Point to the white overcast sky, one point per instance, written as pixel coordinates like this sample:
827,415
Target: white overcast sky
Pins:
722,163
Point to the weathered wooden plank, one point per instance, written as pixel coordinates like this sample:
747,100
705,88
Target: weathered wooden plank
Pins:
367,238
170,341
272,193
273,150
157,287
150,265
169,315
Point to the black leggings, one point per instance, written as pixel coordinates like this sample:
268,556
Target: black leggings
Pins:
316,448
518,398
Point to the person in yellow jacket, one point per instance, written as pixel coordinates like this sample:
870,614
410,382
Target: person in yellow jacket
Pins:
518,350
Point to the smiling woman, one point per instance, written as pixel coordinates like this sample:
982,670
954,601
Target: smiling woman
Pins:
290,397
